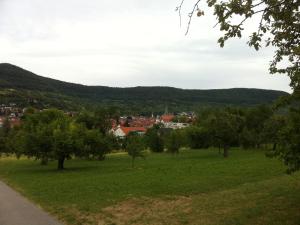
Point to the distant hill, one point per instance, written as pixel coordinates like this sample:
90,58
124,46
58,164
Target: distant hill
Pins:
24,87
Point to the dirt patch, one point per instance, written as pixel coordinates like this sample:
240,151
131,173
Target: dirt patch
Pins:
148,211
137,211
167,210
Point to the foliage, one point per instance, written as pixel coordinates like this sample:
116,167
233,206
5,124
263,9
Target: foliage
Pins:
4,133
174,141
53,135
273,129
25,88
99,119
279,27
96,145
135,146
154,139
225,128
248,138
198,137
289,142
255,119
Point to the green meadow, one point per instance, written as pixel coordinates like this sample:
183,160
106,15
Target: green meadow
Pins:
194,187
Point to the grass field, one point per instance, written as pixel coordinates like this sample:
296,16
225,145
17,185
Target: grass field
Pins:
196,187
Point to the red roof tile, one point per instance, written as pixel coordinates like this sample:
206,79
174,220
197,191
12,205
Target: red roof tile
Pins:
167,118
127,130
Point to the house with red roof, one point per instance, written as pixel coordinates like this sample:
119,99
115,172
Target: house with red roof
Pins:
166,118
122,132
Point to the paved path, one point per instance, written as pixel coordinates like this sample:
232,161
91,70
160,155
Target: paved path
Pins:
16,210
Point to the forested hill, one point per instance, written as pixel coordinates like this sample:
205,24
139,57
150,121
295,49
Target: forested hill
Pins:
23,87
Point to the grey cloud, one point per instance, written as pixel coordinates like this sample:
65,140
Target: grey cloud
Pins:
43,37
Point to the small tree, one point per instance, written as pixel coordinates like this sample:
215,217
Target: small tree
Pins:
224,126
273,129
135,147
174,141
67,141
248,138
198,137
154,139
289,143
49,134
5,130
96,145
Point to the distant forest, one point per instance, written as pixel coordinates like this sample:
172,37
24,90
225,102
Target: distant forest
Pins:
26,88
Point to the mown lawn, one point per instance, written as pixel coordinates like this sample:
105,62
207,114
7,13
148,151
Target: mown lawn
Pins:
196,187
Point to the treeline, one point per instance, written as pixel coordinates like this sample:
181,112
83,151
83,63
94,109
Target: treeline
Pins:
54,135
261,127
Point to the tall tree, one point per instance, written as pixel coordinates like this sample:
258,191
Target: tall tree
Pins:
135,147
273,129
49,134
289,142
154,139
225,128
278,26
174,141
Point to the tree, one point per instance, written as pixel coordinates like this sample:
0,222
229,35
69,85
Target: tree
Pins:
87,119
198,137
96,145
67,140
278,26
154,139
273,128
4,133
135,147
224,127
103,119
248,138
174,141
255,119
46,135
289,142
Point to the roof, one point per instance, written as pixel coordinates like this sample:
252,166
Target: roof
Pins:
127,130
167,118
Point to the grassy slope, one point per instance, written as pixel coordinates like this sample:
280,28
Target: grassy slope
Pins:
247,188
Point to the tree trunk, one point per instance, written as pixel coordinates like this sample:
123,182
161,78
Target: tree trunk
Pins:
226,152
61,161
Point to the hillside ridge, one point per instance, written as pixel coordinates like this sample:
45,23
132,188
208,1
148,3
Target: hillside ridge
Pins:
15,79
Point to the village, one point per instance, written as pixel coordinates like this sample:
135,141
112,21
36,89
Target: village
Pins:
13,114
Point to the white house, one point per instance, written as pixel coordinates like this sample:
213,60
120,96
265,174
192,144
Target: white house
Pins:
122,132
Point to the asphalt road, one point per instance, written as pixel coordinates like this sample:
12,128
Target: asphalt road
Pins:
16,210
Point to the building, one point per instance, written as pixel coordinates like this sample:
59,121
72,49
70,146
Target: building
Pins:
175,126
166,118
122,132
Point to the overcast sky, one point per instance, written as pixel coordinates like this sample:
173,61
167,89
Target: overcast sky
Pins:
128,43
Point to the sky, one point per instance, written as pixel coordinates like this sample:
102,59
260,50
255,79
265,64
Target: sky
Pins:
129,43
